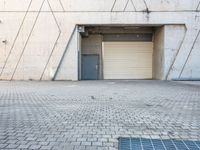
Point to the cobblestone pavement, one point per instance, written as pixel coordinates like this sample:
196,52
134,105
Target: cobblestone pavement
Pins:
93,114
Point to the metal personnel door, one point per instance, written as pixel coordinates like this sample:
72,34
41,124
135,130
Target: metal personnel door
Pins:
89,67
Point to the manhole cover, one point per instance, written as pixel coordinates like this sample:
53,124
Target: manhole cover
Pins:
157,144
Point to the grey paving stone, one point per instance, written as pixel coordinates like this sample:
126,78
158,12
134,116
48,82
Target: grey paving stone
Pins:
111,144
81,139
51,139
12,146
79,148
63,115
76,143
31,139
3,146
3,141
97,143
11,141
44,143
3,137
46,147
35,147
86,143
103,139
91,148
24,146
91,139
41,139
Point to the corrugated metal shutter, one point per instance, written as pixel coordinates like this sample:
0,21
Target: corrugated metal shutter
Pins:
144,37
127,60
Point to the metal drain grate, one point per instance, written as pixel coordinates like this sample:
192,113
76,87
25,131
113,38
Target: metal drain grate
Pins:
157,144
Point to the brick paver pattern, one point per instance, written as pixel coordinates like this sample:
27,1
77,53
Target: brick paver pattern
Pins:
92,115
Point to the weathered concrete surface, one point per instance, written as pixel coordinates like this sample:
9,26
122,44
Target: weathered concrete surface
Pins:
34,34
92,115
167,43
158,53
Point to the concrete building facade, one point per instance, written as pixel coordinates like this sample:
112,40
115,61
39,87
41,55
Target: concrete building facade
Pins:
99,39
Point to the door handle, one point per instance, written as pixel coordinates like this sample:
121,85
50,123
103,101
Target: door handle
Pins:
96,67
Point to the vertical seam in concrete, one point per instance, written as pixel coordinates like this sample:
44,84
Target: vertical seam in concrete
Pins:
113,5
61,5
198,6
172,64
133,5
145,3
126,5
27,39
55,41
189,53
61,60
16,37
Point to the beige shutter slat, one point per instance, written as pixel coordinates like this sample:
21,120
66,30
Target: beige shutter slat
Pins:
127,60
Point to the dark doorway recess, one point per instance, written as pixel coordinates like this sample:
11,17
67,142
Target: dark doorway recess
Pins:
89,67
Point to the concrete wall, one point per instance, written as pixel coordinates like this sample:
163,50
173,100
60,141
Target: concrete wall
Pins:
158,53
34,34
68,67
173,39
167,42
191,69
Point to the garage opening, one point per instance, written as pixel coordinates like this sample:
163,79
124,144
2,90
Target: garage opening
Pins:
109,52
